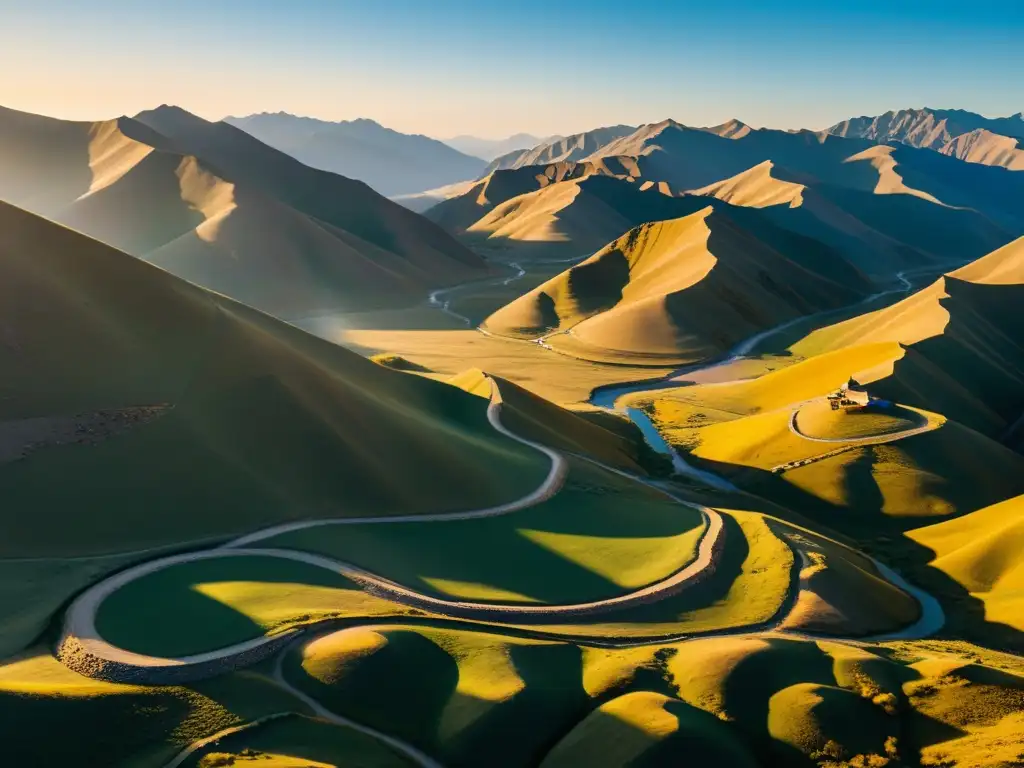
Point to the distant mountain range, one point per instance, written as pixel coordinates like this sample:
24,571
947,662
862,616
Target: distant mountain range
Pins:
560,148
591,144
488,149
884,208
965,135
392,163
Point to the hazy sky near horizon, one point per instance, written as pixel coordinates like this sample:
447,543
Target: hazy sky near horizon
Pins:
445,67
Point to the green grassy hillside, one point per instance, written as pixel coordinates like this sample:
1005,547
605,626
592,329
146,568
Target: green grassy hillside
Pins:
260,421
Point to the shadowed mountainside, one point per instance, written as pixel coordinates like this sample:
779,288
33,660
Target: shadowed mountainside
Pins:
212,204
260,421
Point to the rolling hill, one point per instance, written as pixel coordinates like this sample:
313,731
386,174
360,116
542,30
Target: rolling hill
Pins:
390,162
214,205
134,403
884,230
573,207
686,288
459,212
981,553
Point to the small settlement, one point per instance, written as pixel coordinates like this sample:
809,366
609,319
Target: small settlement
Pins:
850,395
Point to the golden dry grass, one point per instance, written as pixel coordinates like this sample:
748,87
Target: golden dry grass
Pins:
948,471
299,742
610,442
558,378
755,188
962,343
749,587
599,536
802,380
923,475
746,700
683,289
981,552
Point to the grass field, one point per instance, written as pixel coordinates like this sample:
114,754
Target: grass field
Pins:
939,474
31,591
750,585
603,435
207,604
897,483
841,592
267,423
298,742
794,383
114,725
203,605
462,693
559,378
748,700
167,469
962,340
644,728
601,535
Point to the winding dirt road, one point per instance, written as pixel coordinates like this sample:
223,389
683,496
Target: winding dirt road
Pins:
83,648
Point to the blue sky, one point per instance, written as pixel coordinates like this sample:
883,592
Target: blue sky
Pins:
443,67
